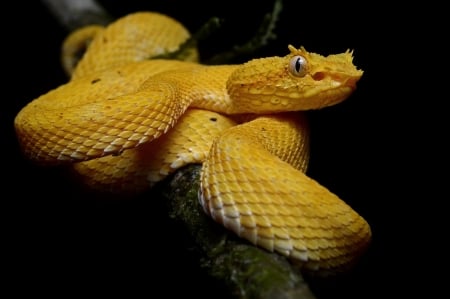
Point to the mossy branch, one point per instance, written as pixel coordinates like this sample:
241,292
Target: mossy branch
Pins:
265,33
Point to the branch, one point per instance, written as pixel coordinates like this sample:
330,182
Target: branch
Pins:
73,14
261,38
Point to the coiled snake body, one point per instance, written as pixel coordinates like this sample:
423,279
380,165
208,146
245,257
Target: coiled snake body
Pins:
125,122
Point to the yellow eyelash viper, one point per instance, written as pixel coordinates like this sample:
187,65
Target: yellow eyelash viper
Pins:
125,122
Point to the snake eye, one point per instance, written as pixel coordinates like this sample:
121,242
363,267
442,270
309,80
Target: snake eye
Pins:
298,66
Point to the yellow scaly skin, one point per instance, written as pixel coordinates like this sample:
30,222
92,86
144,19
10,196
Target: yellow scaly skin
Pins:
125,124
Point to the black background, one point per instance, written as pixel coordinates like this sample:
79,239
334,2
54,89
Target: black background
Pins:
61,240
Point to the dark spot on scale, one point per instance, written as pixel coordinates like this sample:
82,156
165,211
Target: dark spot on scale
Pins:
213,119
95,81
118,153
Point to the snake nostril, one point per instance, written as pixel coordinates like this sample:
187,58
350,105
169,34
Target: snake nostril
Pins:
318,76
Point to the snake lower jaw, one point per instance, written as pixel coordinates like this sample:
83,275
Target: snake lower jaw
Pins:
291,102
328,97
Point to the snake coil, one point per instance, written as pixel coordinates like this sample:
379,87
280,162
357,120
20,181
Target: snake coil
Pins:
124,122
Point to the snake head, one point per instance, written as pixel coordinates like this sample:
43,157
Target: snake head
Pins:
300,80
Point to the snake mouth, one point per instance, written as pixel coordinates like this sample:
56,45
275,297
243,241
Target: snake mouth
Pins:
351,82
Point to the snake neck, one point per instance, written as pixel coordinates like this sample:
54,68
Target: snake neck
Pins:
199,86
